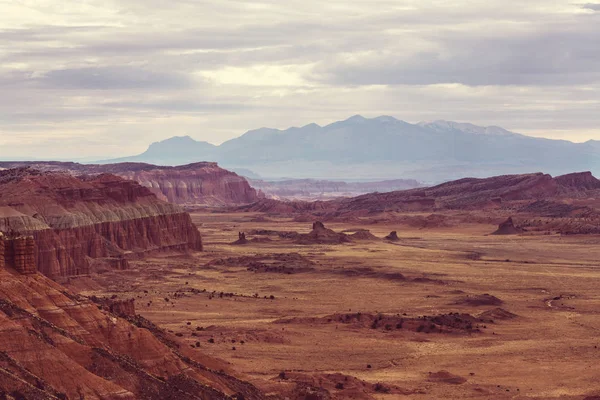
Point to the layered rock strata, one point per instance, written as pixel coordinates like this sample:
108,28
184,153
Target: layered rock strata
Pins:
198,184
73,220
57,345
18,253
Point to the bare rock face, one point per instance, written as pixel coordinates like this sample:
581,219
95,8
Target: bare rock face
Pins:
241,239
578,181
57,345
118,307
72,220
322,235
393,236
507,228
18,253
318,226
473,193
363,235
198,184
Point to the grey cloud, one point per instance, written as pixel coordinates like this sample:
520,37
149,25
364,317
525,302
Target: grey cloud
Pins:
179,106
114,78
591,6
544,57
140,60
43,33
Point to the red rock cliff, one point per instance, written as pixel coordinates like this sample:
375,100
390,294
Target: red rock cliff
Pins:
54,344
18,253
198,184
204,184
74,219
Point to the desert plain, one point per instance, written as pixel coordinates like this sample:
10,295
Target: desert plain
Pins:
446,311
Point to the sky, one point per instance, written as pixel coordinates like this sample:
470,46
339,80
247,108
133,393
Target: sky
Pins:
105,78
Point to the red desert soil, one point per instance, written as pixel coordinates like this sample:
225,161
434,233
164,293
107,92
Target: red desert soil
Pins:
286,314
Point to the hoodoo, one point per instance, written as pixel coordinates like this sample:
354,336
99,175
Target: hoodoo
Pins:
66,221
241,238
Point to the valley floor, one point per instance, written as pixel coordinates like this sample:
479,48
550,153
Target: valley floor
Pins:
291,324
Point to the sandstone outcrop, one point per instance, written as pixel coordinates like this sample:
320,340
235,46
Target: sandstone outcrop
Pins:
55,344
241,239
392,237
18,253
72,220
475,193
507,228
322,235
470,194
198,184
363,234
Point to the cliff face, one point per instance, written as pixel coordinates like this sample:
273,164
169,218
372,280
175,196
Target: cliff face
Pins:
54,344
204,184
199,184
18,253
72,220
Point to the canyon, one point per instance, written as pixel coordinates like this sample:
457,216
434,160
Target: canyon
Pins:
109,291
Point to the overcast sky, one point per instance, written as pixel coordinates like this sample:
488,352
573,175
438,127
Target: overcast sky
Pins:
83,78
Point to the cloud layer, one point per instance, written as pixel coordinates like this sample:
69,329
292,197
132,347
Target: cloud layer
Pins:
105,78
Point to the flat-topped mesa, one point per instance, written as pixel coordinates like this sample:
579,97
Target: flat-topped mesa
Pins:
204,184
197,184
73,220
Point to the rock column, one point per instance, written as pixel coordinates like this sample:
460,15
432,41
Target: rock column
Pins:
18,253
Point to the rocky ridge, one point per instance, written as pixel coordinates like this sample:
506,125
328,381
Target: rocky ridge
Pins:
197,184
464,194
57,345
73,220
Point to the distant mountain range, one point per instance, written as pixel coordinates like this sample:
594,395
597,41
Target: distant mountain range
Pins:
359,148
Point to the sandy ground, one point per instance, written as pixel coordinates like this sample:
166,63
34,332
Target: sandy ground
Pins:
549,351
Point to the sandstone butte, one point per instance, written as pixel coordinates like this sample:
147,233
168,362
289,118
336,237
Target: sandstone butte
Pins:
198,184
72,222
